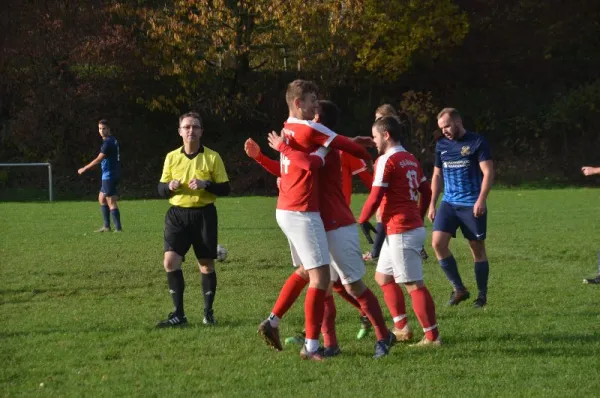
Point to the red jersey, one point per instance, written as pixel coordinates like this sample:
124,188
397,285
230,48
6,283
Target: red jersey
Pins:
400,172
298,190
335,212
352,166
298,187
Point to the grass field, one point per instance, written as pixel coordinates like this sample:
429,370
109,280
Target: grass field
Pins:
78,309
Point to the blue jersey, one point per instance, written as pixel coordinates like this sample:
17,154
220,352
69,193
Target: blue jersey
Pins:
110,164
459,160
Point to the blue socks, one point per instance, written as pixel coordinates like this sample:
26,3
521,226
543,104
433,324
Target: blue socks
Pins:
449,267
105,215
482,271
116,216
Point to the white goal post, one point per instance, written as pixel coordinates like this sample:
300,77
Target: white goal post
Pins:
51,193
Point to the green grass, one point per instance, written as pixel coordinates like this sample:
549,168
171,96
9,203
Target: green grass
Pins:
78,308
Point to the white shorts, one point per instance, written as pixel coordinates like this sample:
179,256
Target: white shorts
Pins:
346,257
401,256
306,236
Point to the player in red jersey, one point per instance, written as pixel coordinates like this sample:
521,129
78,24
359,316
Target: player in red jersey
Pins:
342,238
382,111
397,182
297,212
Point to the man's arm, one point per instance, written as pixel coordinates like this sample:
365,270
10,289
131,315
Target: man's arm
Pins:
372,204
308,162
218,188
590,171
253,151
91,164
437,183
487,168
366,177
345,144
424,198
163,190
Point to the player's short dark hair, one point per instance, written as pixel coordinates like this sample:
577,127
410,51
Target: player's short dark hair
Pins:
298,89
329,115
104,122
452,112
386,110
195,115
392,125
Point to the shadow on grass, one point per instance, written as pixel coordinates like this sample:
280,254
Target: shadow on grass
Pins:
28,295
547,345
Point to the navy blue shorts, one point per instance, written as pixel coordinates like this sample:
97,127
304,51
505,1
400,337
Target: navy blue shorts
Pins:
109,187
450,217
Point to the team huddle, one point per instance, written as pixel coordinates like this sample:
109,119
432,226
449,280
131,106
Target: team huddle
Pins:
313,213
314,175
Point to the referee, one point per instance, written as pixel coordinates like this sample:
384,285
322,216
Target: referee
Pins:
192,178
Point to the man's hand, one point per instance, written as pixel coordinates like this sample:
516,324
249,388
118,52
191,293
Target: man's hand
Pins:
252,149
276,140
588,170
197,184
81,170
364,141
431,213
366,228
174,185
278,182
479,208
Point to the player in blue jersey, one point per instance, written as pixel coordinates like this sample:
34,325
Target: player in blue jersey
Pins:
590,171
109,160
464,167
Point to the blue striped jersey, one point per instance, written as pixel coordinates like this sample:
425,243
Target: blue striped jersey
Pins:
110,165
459,160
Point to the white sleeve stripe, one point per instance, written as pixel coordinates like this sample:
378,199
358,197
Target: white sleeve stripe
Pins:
355,172
380,168
423,179
328,142
380,184
321,152
315,126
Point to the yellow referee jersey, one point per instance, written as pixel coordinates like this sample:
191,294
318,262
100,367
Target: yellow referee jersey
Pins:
206,165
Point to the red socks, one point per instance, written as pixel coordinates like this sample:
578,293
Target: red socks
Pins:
289,293
328,326
314,307
425,311
370,305
339,289
394,299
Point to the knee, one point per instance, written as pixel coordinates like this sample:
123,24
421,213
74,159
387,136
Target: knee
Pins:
478,250
301,272
171,263
383,279
206,266
439,243
356,289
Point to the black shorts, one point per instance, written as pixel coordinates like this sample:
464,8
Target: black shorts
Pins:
196,226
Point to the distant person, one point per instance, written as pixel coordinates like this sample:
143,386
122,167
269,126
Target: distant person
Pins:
192,178
465,170
590,171
109,160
